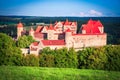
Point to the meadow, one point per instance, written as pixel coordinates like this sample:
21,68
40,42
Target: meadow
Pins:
43,73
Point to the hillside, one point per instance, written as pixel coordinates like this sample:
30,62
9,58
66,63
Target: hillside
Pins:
42,73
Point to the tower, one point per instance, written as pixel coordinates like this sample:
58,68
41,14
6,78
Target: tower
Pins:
19,29
50,34
31,32
68,38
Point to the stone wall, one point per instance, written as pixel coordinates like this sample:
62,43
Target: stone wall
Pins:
82,40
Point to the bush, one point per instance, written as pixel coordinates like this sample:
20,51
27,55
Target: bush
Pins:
9,53
30,60
65,58
24,41
113,55
46,60
92,58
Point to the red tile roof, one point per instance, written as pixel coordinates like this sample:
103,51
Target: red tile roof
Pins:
92,26
38,29
68,30
38,35
53,42
35,43
51,27
19,25
66,22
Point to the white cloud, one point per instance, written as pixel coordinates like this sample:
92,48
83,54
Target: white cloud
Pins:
90,13
95,13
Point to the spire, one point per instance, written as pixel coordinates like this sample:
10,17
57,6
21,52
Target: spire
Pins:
19,25
90,21
66,22
68,30
51,27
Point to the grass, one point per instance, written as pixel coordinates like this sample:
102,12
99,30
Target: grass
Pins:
39,73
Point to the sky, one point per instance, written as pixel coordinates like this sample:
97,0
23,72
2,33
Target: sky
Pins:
76,8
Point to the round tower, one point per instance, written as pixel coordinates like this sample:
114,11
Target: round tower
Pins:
68,38
19,29
31,32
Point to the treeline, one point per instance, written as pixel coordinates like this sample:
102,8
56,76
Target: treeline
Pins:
102,58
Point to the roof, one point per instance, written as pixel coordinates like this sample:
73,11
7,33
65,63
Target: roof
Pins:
38,35
35,43
53,42
39,28
68,30
19,25
92,26
51,27
66,22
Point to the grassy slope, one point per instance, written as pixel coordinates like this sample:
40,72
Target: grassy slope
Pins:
38,73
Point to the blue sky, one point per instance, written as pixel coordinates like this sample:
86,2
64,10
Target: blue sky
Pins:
80,8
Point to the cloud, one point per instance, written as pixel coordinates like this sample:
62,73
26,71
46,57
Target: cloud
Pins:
90,13
94,12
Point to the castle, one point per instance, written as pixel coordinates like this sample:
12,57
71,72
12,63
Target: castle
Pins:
64,34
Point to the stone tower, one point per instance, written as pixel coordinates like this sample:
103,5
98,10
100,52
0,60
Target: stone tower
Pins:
31,32
50,34
19,29
68,38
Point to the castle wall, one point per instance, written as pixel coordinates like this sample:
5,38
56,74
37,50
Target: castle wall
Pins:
55,46
89,40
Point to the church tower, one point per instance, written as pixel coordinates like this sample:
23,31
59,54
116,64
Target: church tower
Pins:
19,29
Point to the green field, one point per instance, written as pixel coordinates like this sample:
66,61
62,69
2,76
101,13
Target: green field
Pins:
38,73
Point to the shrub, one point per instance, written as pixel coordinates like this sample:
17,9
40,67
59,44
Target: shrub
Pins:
113,55
65,58
30,60
46,60
9,53
92,58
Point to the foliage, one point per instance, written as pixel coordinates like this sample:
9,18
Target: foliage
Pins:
113,55
105,58
47,50
92,58
46,60
9,53
24,41
30,60
38,73
66,58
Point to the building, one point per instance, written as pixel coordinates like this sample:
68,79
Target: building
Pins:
64,34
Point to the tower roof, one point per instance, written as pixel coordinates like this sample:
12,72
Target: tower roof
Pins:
68,30
19,25
51,27
66,22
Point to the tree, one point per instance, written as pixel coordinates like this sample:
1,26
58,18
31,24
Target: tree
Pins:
46,60
92,58
9,53
113,55
66,58
30,60
24,41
